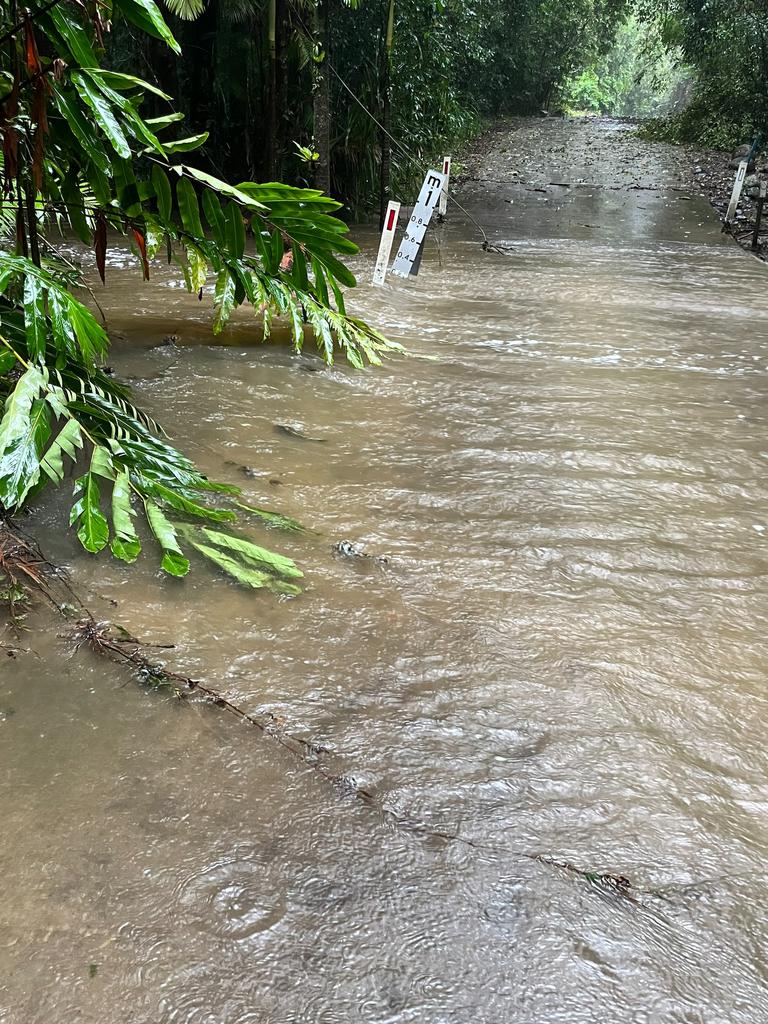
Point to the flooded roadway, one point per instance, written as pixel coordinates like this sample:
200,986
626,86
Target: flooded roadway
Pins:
565,656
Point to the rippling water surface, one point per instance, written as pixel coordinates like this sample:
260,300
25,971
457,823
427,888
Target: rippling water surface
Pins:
564,656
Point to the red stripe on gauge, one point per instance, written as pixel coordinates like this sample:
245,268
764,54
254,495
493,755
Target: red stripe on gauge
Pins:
391,220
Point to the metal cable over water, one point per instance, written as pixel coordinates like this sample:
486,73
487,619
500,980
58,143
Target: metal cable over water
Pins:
488,246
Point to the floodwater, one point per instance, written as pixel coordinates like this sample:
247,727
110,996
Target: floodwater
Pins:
566,654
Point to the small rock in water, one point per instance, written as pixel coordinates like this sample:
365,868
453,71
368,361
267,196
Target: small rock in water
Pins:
291,431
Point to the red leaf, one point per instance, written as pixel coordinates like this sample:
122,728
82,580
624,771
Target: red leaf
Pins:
142,244
33,59
100,244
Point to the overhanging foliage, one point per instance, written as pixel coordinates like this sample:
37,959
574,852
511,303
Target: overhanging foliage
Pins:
79,155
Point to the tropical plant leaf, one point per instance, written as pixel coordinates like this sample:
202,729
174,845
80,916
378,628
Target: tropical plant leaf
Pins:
215,216
72,35
235,230
186,145
146,15
162,188
102,112
125,543
186,9
131,119
174,561
158,123
120,80
175,499
68,442
21,438
198,268
244,574
66,103
224,299
86,514
274,519
7,361
34,316
91,336
189,207
75,209
224,189
249,552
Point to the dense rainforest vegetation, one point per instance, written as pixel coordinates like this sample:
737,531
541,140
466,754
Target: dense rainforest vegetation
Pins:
276,81
78,156
341,98
725,44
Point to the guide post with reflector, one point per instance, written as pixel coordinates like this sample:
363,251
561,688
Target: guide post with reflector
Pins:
406,262
442,208
736,194
385,245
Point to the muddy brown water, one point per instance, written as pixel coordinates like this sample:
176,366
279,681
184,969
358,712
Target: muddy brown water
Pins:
565,655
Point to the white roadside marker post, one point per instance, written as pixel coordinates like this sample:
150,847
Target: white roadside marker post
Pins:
736,194
385,245
406,264
443,207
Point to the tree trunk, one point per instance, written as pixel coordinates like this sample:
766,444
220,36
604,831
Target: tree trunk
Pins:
272,90
322,100
385,187
281,88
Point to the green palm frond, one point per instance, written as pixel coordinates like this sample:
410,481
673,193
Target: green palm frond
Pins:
188,10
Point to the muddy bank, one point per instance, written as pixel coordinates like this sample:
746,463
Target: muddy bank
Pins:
714,175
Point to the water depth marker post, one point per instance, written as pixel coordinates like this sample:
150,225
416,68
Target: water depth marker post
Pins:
385,245
406,262
442,208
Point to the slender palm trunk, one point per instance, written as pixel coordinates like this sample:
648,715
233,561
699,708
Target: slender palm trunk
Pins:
281,87
385,186
272,90
322,100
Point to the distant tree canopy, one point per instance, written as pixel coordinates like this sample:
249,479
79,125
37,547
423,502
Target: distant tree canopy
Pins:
705,65
725,42
639,77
